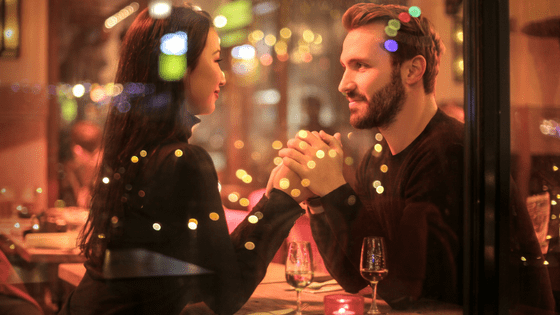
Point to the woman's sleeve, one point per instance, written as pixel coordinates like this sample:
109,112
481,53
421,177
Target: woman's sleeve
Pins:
238,263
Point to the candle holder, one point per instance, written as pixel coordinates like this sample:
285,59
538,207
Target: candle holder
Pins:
344,304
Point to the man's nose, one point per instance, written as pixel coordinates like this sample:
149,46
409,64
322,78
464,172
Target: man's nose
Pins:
346,83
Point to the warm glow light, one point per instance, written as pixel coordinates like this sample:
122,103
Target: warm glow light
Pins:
245,52
156,226
277,145
239,144
285,33
284,183
193,224
253,219
160,9
220,21
266,59
308,36
240,173
247,179
233,197
270,40
277,160
78,90
244,202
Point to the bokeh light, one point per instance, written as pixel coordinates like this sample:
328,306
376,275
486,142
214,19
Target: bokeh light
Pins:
391,32
245,52
78,90
244,202
266,60
308,36
172,67
284,183
174,43
394,24
277,145
270,40
404,17
160,9
214,216
220,21
414,11
193,224
156,226
391,45
285,33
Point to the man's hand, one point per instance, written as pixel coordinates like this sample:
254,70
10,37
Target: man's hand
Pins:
317,158
284,179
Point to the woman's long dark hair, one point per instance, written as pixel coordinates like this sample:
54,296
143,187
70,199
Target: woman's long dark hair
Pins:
145,114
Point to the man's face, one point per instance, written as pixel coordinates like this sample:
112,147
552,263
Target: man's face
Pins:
373,88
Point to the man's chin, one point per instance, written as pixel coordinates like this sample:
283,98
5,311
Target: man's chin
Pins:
359,122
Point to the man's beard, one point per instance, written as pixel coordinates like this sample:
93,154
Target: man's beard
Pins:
383,106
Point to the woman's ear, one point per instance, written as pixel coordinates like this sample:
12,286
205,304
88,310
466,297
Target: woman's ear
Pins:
414,69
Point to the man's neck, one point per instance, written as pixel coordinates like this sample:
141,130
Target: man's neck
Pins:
415,115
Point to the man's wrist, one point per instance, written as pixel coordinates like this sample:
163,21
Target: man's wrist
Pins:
314,205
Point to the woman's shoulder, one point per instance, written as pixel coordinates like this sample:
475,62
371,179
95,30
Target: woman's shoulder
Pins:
180,151
177,160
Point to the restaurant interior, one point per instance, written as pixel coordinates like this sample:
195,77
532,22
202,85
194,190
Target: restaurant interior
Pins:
500,75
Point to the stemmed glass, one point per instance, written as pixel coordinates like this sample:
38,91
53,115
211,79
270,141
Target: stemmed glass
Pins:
299,268
373,266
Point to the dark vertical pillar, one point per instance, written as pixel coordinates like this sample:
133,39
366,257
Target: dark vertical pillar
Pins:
487,156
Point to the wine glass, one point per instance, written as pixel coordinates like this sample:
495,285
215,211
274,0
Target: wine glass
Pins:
373,266
299,268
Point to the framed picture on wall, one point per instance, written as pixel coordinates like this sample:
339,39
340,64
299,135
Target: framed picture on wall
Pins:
10,28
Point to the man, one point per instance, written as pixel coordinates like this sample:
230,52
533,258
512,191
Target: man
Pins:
410,184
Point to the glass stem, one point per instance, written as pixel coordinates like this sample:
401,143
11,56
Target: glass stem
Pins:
373,309
298,299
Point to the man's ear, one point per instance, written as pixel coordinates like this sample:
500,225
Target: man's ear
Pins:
413,70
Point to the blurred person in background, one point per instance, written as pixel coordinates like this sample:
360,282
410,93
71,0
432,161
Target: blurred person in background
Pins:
158,194
80,169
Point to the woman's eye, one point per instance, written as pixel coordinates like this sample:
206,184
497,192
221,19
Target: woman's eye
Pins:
219,60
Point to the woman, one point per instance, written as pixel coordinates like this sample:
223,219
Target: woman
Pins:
157,195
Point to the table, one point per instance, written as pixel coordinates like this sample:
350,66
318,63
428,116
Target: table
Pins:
275,296
43,274
15,243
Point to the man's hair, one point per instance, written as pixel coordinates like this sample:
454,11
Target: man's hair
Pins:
415,37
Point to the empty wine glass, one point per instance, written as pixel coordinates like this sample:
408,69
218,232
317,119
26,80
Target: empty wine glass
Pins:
373,266
299,268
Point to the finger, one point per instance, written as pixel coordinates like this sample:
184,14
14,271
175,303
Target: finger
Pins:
333,141
294,155
309,137
301,146
294,166
270,183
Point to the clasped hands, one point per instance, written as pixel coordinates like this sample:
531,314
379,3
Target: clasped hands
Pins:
311,166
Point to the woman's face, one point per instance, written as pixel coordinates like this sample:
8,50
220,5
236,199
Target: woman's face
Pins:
202,84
